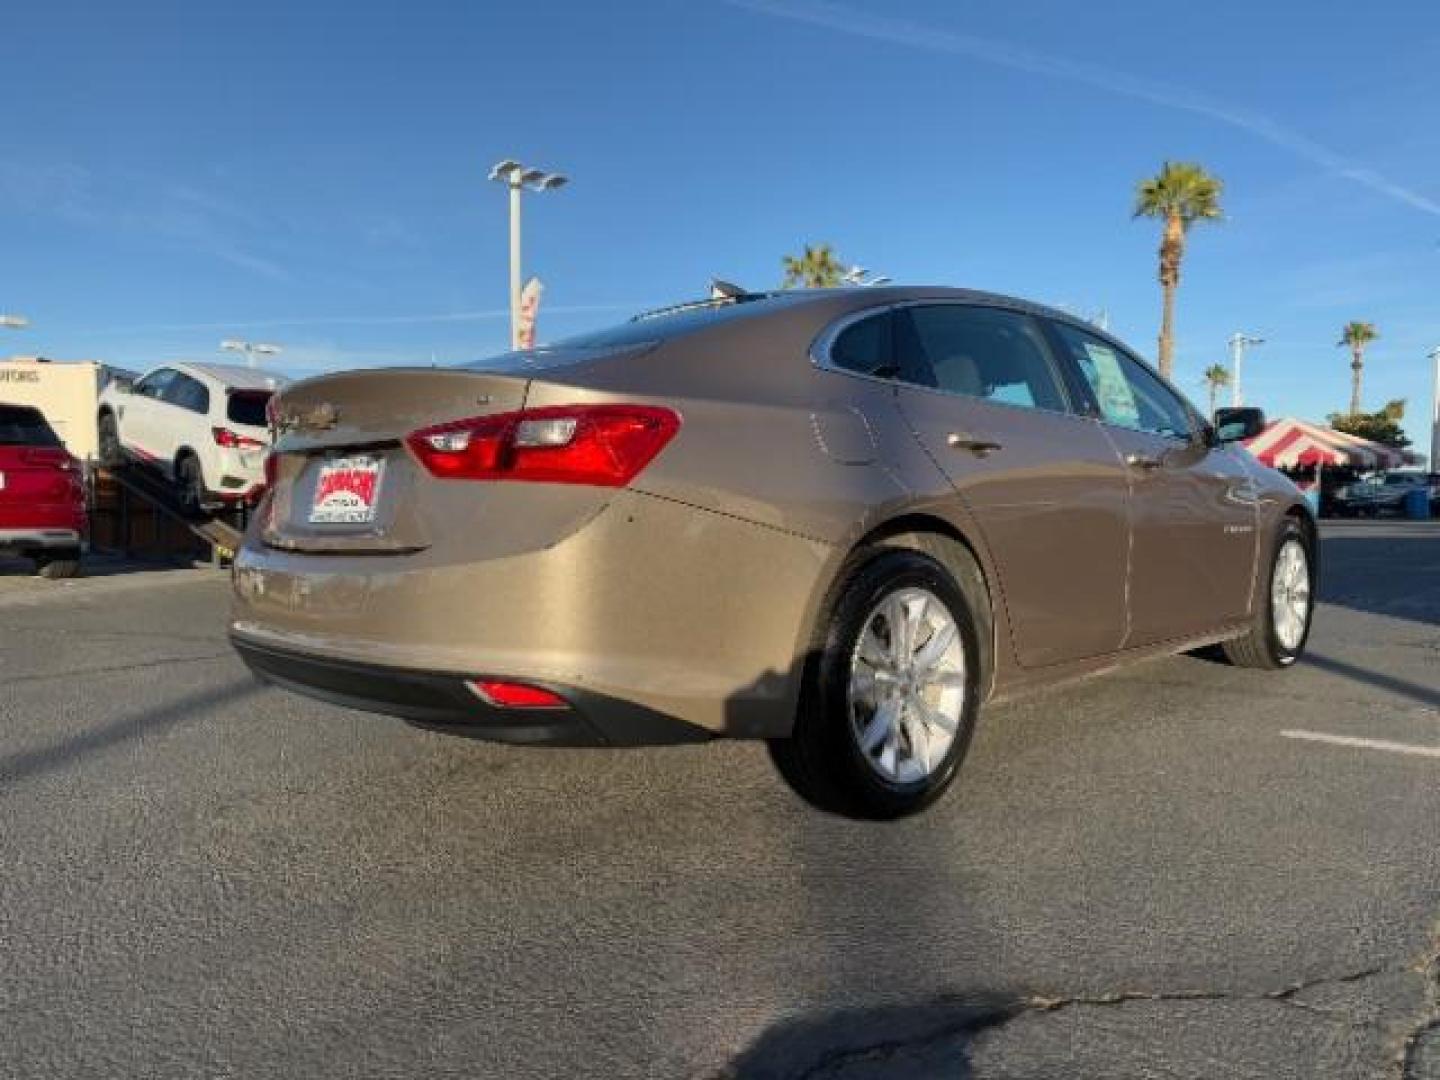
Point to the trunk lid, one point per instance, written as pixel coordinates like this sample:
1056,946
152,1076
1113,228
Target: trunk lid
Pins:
38,476
343,479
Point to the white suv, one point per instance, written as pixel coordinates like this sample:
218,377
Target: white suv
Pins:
202,425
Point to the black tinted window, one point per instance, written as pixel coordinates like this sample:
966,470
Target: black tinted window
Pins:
188,393
23,426
247,407
980,352
864,347
1128,394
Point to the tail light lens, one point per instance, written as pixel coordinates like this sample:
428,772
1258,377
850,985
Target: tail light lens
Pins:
233,441
601,445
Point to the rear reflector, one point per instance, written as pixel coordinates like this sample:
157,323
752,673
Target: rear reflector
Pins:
509,695
601,445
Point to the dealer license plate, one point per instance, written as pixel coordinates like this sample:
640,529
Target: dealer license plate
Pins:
347,491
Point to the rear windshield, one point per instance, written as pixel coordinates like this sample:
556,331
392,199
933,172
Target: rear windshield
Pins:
23,426
248,407
643,330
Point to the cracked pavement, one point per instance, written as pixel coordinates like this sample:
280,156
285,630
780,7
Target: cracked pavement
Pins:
1137,876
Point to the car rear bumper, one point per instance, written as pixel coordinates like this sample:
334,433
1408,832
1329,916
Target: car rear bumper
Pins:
444,701
688,614
40,538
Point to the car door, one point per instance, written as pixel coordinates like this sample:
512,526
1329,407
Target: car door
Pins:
981,390
1193,507
136,413
180,418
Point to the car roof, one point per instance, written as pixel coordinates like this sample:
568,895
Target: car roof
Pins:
234,376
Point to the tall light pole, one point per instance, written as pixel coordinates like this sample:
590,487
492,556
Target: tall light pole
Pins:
250,349
1434,465
1238,344
517,178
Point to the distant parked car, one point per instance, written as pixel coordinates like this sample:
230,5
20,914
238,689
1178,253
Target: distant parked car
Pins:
838,520
42,496
1384,493
201,425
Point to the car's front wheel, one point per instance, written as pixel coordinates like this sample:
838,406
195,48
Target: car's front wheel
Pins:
191,482
891,693
111,454
58,564
1282,619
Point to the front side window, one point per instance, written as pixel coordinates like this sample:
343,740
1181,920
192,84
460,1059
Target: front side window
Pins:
864,347
155,384
981,352
1129,396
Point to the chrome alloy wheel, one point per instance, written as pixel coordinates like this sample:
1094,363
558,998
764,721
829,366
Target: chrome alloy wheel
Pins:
1290,594
907,685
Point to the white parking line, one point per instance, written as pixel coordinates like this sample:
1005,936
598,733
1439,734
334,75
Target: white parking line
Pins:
1365,744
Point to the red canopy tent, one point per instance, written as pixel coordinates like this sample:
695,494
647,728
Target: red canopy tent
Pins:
1289,444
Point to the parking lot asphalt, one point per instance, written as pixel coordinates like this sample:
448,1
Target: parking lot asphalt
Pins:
1181,870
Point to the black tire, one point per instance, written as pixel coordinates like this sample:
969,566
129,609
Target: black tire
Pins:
56,565
111,453
190,483
823,760
1262,647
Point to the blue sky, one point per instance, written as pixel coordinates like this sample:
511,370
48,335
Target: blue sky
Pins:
313,173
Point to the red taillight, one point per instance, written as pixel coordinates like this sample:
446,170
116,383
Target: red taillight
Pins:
603,445
234,441
509,695
272,468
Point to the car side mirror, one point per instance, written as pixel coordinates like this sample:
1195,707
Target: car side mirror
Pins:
1237,425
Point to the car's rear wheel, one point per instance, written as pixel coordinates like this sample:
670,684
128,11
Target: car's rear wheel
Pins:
58,564
1282,621
891,692
111,454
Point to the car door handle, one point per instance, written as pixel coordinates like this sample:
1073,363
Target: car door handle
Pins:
1141,461
978,447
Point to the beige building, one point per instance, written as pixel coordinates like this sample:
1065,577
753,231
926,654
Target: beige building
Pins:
67,392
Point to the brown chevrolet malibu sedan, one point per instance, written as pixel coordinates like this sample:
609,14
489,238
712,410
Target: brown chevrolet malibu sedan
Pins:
835,520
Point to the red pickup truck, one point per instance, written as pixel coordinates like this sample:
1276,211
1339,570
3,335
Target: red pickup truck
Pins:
42,498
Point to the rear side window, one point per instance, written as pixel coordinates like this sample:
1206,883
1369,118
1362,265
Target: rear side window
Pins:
247,407
188,393
864,347
980,352
24,426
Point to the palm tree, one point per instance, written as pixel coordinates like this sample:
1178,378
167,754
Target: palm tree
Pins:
1181,194
1355,337
1217,377
817,268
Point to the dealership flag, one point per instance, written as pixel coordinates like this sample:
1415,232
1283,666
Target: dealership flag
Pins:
529,308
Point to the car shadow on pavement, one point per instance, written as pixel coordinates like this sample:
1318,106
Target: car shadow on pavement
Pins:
929,1039
1382,572
50,758
1425,695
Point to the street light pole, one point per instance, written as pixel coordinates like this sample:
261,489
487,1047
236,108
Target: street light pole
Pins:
250,349
1435,414
517,177
1238,342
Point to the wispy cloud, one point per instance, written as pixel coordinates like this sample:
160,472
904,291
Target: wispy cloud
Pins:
174,213
914,35
483,315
